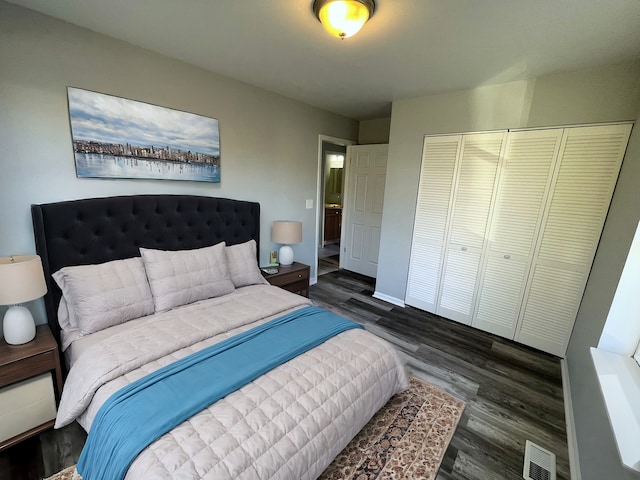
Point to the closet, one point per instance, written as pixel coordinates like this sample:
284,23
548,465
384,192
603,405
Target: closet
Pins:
507,224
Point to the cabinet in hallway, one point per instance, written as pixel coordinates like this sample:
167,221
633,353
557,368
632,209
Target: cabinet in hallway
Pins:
332,224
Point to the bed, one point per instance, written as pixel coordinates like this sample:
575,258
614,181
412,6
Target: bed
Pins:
288,423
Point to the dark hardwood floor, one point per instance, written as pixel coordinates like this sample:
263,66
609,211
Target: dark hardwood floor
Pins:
512,393
43,455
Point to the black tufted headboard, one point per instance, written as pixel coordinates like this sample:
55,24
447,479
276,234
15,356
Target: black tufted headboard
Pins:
97,230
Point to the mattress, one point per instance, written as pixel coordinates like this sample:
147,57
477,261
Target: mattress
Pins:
288,424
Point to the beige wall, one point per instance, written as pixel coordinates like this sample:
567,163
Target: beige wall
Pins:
604,94
374,131
262,135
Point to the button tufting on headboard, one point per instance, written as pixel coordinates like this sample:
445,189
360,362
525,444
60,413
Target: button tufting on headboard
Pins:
98,230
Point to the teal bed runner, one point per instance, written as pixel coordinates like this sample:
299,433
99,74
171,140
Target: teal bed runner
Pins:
138,414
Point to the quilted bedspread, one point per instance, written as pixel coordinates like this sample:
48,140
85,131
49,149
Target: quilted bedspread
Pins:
288,424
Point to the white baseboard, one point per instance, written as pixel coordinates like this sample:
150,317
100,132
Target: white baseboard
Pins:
389,299
572,442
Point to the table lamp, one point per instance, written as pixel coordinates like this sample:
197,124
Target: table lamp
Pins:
286,232
21,280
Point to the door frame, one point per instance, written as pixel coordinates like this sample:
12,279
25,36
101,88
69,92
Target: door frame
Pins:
320,194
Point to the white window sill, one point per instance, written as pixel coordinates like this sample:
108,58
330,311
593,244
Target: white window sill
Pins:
619,378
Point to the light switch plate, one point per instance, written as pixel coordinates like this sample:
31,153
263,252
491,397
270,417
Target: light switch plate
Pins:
309,203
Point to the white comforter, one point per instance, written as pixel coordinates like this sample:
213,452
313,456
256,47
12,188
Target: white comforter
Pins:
288,424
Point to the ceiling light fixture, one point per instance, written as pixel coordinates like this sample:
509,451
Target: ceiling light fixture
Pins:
343,18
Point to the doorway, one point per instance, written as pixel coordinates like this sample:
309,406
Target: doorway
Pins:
332,188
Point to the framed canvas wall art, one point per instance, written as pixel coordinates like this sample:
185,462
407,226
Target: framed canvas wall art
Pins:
115,137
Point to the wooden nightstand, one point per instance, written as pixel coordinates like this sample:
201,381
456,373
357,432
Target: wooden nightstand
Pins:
294,278
30,386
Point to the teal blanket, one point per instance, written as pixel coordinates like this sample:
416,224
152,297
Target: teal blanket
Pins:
138,414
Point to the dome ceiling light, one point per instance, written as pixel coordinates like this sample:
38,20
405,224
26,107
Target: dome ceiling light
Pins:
343,18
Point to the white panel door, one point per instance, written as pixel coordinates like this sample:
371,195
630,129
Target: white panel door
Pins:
587,171
364,197
435,189
469,214
525,177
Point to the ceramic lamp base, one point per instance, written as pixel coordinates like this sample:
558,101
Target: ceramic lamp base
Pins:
18,326
285,256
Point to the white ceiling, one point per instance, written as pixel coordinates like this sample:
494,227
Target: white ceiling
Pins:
409,48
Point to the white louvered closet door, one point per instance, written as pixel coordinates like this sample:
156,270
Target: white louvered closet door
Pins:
588,167
439,158
525,175
473,196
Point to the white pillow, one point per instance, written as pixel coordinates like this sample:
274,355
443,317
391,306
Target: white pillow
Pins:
69,333
242,263
186,276
103,295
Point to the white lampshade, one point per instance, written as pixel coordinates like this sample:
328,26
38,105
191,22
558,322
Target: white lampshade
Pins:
21,280
286,232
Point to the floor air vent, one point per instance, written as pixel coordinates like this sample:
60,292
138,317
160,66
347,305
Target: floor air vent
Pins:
539,464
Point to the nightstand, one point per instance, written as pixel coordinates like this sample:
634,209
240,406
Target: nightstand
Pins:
294,278
30,384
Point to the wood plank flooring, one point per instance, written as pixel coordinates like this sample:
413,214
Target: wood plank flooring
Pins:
512,393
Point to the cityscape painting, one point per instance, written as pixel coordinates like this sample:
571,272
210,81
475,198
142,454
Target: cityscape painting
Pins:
119,138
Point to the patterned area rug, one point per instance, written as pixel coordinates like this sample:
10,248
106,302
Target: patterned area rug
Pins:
406,439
